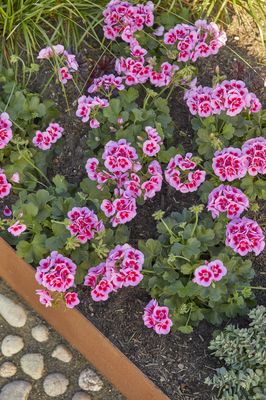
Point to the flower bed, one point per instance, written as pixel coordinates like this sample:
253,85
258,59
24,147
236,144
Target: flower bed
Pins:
192,256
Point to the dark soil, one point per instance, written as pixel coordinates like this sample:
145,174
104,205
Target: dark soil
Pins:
177,363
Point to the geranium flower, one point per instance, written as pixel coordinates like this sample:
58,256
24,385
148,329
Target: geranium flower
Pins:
84,224
5,187
44,297
205,274
156,317
17,228
227,199
229,164
254,154
71,299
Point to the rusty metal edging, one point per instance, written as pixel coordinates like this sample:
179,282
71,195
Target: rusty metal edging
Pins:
79,332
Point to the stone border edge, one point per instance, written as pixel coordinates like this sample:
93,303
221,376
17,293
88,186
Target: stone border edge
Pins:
79,332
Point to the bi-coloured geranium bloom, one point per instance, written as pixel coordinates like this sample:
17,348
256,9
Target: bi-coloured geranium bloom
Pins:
205,274
254,153
106,84
84,224
7,211
195,41
122,268
122,210
123,19
181,174
49,52
229,164
227,199
244,236
44,297
64,75
88,108
44,140
157,318
71,299
17,228
230,97
5,187
152,146
5,130
164,76
56,272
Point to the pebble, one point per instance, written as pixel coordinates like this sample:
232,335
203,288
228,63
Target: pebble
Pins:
16,390
11,345
13,313
89,380
55,384
32,364
62,353
7,369
40,333
81,396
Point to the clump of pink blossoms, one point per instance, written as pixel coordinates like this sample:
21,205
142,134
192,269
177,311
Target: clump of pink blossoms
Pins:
44,140
195,41
122,268
209,272
66,60
229,164
230,97
227,199
17,228
123,19
254,153
5,131
106,83
88,107
84,224
244,235
5,187
157,318
175,173
122,166
152,146
57,274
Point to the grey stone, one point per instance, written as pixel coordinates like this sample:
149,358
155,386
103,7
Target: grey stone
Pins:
81,396
32,364
62,353
11,345
55,384
89,380
13,313
7,369
40,333
16,390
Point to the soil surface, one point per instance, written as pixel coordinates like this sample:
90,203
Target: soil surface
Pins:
177,363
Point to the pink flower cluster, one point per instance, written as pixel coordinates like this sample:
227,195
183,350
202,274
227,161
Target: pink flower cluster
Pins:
152,146
88,108
164,76
175,173
17,228
157,318
122,268
232,97
254,152
69,60
123,19
57,273
5,187
244,235
195,41
107,83
44,140
211,271
5,131
121,163
84,224
233,163
227,199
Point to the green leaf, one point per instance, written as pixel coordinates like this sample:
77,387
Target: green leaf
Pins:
185,329
192,248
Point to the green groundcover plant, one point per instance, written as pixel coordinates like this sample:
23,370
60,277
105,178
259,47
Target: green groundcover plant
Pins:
72,233
243,352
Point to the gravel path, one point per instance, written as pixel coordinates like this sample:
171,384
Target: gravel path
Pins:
37,364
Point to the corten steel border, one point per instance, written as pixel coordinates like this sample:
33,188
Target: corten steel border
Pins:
79,332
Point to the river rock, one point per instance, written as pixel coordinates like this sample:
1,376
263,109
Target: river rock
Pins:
55,384
81,396
7,369
40,333
89,380
11,345
13,313
16,390
32,364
